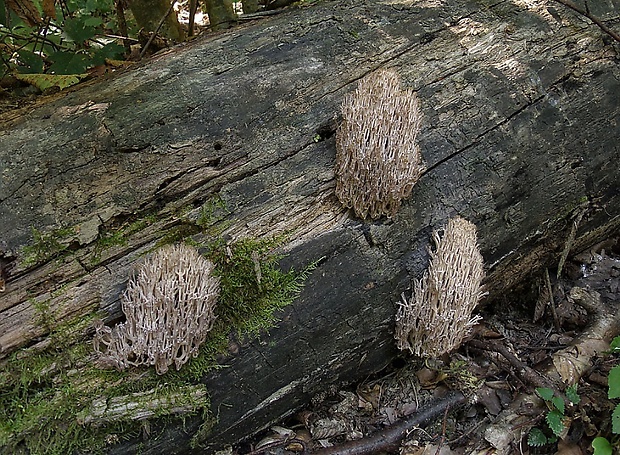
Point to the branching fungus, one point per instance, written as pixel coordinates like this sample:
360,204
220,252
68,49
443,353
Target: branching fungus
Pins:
169,306
439,313
378,159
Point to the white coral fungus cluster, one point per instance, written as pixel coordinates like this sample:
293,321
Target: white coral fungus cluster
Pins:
439,313
378,159
169,305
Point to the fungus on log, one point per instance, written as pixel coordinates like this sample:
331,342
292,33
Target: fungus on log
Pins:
378,159
169,306
438,315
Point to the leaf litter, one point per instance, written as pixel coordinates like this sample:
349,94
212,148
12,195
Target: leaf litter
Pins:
495,388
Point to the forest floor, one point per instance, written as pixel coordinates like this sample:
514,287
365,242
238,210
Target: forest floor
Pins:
498,370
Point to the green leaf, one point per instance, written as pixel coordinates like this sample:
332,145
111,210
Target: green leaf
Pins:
69,63
614,382
93,21
545,393
615,420
555,420
572,395
44,81
3,11
536,438
614,346
558,403
111,51
102,6
77,29
30,63
601,446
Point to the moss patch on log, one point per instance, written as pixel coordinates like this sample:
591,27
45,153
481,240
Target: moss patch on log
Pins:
46,246
51,394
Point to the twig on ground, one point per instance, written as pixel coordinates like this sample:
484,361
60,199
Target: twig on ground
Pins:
524,372
594,19
442,440
554,313
276,444
468,433
390,437
568,365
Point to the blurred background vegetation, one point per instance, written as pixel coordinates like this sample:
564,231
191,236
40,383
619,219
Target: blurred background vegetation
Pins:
56,43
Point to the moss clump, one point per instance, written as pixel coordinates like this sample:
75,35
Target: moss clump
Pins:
45,395
253,287
212,211
46,246
110,238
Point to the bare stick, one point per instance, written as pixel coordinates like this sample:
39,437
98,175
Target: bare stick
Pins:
556,321
390,437
525,373
161,22
586,13
571,239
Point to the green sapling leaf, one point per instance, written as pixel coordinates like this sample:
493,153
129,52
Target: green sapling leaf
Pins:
536,438
614,382
555,420
572,395
558,403
545,393
77,30
601,446
615,420
614,346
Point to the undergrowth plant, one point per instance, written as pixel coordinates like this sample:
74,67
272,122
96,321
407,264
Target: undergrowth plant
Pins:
558,422
600,444
58,39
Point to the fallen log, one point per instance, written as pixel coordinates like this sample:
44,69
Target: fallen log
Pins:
233,137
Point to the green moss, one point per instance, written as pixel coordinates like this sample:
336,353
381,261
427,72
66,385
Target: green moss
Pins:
42,394
212,211
46,246
253,287
178,233
110,238
43,316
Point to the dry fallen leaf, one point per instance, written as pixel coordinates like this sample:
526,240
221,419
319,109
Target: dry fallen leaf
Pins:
566,448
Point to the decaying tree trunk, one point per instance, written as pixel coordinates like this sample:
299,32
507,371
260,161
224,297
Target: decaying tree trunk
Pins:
520,134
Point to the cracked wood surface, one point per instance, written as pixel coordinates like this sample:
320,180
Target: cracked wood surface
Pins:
520,128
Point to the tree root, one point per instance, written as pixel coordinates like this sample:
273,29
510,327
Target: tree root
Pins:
567,367
390,437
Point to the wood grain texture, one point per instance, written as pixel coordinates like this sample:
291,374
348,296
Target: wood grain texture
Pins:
520,128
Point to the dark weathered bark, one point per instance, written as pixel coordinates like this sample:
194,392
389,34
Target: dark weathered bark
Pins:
520,132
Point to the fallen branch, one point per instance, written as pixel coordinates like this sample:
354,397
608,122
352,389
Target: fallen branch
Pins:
143,405
390,437
572,362
523,371
586,13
